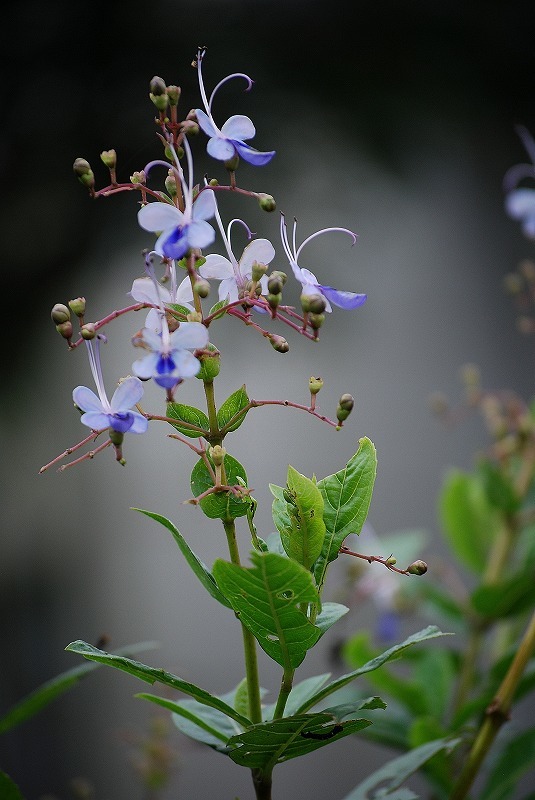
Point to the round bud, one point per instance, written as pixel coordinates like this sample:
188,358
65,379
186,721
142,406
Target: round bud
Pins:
279,343
65,329
274,285
77,306
258,271
170,185
391,561
109,158
316,320
201,287
194,316
213,182
116,437
316,304
346,402
190,128
173,93
84,173
60,313
417,568
217,454
249,287
273,300
314,384
157,86
210,364
267,202
231,164
88,331
282,276
138,177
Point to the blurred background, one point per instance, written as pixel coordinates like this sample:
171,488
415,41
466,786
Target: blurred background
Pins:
395,119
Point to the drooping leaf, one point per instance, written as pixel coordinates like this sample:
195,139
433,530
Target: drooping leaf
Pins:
431,632
48,691
230,410
8,788
468,519
347,495
190,421
516,759
220,505
154,674
266,599
388,779
200,570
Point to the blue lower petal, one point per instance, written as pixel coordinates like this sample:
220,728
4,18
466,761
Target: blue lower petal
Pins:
176,245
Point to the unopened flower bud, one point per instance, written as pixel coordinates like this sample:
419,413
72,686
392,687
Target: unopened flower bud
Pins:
249,288
513,283
88,331
274,285
279,343
109,158
213,182
65,329
83,172
316,304
173,93
158,93
345,406
282,276
218,454
316,320
391,561
170,184
266,202
190,127
60,313
231,164
417,568
314,384
194,316
273,300
77,306
210,364
138,177
201,287
258,271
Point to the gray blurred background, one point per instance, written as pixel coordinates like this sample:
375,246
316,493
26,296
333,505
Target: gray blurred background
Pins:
395,119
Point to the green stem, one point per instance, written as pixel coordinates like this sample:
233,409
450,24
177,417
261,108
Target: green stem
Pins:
497,713
286,688
262,783
215,433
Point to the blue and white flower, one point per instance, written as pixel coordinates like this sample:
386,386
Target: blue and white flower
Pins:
170,358
520,202
144,290
180,230
99,412
225,142
307,279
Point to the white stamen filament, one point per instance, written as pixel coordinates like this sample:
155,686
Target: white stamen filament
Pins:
93,350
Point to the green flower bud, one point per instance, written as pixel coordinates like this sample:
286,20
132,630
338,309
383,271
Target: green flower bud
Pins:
60,313
170,184
65,330
116,437
346,402
279,343
249,286
273,300
157,86
417,568
138,177
316,320
282,276
84,173
274,285
169,153
194,316
258,271
231,164
210,364
316,304
109,158
391,561
201,287
213,182
218,454
88,331
190,128
77,306
314,384
266,202
173,93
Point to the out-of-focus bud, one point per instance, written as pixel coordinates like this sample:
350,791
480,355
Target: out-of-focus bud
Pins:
273,300
194,316
314,384
274,285
345,406
60,313
213,182
170,155
266,202
138,177
158,93
218,454
417,568
201,287
438,403
170,184
513,283
77,306
210,364
88,331
316,321
279,343
258,271
190,127
316,304
282,276
173,93
527,268
84,173
231,164
65,330
391,561
109,158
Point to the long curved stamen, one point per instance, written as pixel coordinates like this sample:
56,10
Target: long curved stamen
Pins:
200,56
515,174
93,351
318,233
188,191
284,239
527,141
249,80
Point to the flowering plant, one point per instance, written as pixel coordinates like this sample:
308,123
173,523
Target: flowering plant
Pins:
276,597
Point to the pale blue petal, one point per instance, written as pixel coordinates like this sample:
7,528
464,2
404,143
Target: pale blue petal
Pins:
186,364
128,393
238,127
184,293
140,423
144,291
520,203
95,421
220,149
217,267
204,205
228,288
145,367
206,123
87,400
153,321
347,300
189,336
159,217
251,155
200,234
152,339
259,250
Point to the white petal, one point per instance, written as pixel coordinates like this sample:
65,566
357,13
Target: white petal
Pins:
144,291
186,364
204,205
145,367
95,421
220,149
217,267
238,127
228,288
259,250
159,217
189,336
206,123
184,293
200,234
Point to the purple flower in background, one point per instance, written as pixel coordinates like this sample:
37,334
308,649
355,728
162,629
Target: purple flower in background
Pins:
180,230
170,359
99,412
225,142
520,202
308,280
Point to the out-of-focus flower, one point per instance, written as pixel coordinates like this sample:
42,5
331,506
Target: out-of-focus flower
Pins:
144,290
520,202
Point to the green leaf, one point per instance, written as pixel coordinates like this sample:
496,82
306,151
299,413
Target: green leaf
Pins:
330,613
298,516
230,410
190,421
180,312
48,691
499,488
347,495
516,758
387,780
222,304
266,598
431,632
468,519
152,675
220,505
8,789
270,743
203,724
201,571
506,598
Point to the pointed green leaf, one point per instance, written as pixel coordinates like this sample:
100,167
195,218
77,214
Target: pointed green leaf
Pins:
431,632
180,312
153,674
389,777
8,789
330,613
190,421
219,306
303,539
515,760
48,691
347,495
220,505
201,571
206,725
299,694
266,599
229,417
